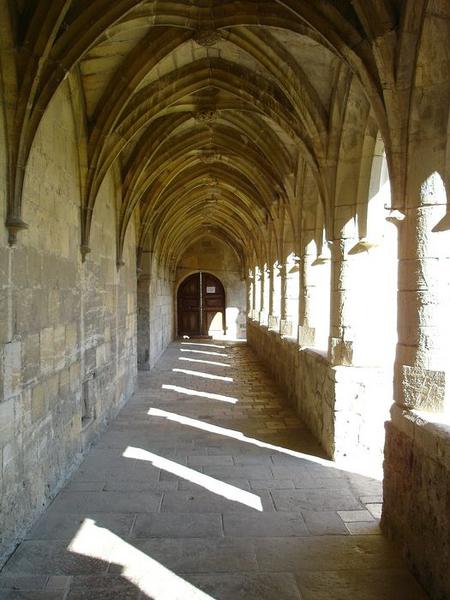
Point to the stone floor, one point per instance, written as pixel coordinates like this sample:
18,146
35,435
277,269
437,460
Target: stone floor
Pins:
208,486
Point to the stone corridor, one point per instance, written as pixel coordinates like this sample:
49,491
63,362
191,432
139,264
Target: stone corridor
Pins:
208,486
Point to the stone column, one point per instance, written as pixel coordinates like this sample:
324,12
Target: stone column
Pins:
306,332
276,296
343,305
360,327
313,311
422,366
416,457
362,364
290,288
250,295
265,296
257,294
143,312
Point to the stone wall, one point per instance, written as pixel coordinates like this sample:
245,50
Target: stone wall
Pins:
418,458
161,316
311,395
67,328
344,407
211,255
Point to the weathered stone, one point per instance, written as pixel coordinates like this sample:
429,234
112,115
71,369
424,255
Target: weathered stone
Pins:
301,163
423,389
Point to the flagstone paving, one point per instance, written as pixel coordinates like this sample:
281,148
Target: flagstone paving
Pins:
205,486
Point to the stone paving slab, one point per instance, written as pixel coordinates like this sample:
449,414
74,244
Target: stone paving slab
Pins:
195,501
87,502
55,525
213,488
264,525
178,525
331,553
384,584
279,586
32,595
318,499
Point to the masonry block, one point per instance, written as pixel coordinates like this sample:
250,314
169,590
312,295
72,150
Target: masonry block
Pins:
416,501
12,368
421,388
38,403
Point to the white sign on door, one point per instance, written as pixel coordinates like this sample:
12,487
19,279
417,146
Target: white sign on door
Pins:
210,290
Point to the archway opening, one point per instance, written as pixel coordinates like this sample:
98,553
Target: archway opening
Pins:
201,306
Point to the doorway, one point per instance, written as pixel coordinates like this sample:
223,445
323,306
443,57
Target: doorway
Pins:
200,305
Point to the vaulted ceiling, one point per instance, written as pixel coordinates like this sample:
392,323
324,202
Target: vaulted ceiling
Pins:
206,107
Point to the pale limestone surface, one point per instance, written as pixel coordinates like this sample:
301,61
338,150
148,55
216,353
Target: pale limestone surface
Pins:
68,336
178,481
311,138
343,406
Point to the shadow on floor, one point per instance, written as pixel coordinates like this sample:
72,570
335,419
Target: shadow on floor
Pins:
208,486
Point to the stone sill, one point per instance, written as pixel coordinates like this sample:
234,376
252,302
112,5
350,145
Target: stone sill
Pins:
293,342
430,431
316,353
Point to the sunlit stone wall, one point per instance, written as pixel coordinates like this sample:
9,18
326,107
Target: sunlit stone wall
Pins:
67,328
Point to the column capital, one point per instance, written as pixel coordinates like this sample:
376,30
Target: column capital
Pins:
14,224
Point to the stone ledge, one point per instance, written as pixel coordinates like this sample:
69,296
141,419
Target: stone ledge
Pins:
429,431
291,342
316,353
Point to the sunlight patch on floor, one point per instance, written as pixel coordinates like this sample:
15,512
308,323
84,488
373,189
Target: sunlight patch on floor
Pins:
237,435
147,574
202,374
204,362
189,392
202,344
230,492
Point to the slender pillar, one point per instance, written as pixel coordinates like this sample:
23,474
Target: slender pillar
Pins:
315,293
276,296
257,294
143,312
250,295
265,296
290,297
423,352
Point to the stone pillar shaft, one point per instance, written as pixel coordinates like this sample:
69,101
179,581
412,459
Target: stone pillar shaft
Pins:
423,351
265,296
314,298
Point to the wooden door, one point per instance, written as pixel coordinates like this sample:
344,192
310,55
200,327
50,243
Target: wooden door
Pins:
213,303
200,303
189,307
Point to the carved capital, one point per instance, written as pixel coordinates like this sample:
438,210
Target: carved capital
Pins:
14,224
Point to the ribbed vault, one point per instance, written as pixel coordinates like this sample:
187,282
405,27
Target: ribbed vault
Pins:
210,109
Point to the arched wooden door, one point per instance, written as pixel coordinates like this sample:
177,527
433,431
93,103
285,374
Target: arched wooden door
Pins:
200,302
